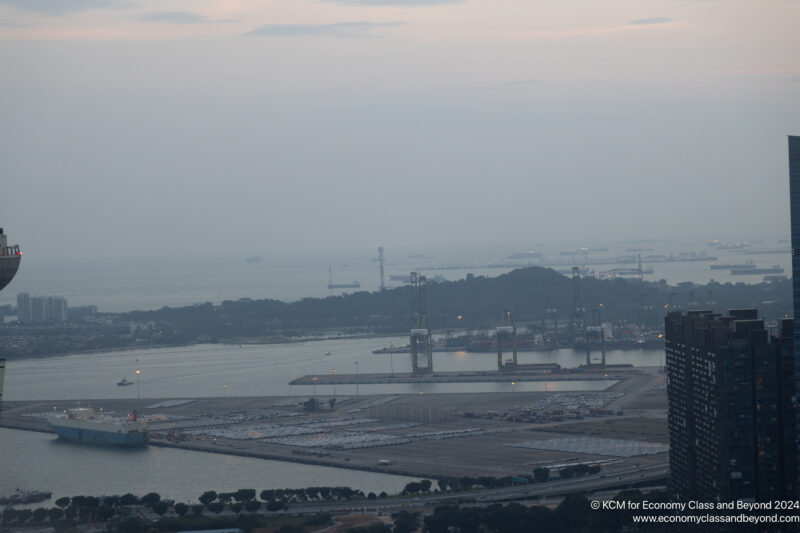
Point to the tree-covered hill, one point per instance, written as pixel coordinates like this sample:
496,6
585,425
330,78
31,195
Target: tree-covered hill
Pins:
479,301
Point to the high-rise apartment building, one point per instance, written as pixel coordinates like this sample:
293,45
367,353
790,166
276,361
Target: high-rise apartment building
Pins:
41,308
794,196
730,386
40,311
57,308
24,313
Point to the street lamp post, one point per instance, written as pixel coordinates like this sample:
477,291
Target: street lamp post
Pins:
334,382
314,379
138,389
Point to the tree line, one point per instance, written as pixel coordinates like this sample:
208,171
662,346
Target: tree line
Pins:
574,514
471,303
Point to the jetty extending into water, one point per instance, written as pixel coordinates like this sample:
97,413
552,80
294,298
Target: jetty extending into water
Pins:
545,373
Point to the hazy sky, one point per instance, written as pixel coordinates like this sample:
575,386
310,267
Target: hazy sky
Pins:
178,126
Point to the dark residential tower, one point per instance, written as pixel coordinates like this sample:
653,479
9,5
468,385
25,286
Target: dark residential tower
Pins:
731,416
794,195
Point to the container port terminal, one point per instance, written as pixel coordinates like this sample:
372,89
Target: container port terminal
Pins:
585,331
431,435
621,428
425,435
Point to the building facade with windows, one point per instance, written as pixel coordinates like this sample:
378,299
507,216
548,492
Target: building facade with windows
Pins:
41,308
730,385
794,196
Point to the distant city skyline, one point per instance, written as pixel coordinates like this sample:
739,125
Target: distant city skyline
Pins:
134,128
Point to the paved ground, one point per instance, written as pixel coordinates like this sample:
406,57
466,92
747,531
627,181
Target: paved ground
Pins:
482,424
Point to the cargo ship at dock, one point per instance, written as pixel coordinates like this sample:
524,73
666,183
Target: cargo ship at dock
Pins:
87,426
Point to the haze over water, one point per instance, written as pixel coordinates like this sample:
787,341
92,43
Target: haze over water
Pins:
118,285
146,153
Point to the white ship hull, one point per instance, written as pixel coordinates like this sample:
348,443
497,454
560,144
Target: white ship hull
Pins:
85,426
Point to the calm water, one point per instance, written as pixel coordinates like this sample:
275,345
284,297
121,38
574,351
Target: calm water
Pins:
217,370
39,461
117,285
35,460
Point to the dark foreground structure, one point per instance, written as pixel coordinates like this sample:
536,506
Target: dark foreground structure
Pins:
794,195
10,257
730,386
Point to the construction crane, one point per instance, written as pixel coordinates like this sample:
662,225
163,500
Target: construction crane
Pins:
420,334
380,260
549,313
509,328
596,330
578,315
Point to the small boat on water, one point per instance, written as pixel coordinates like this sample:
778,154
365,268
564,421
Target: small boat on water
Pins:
21,497
124,382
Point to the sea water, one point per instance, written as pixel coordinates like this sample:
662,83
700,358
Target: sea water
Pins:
40,461
211,370
146,282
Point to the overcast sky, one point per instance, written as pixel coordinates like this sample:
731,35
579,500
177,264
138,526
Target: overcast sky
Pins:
178,126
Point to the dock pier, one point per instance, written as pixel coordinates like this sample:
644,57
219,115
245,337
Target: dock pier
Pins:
456,377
